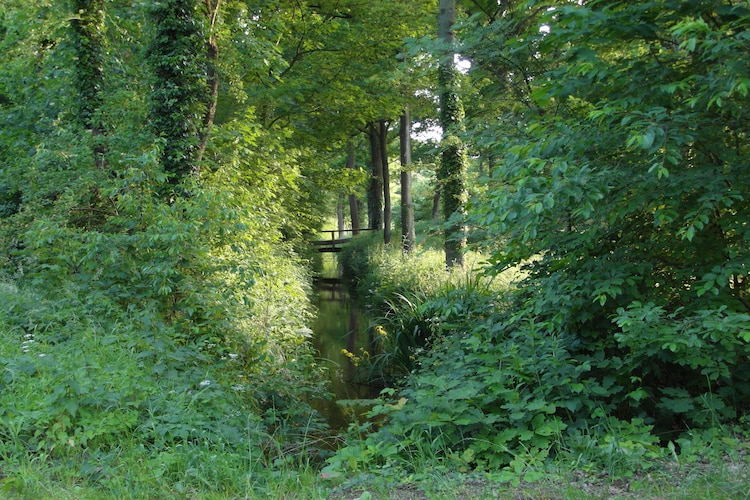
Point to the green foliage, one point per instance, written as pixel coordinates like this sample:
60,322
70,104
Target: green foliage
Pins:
157,347
501,399
414,321
413,300
501,394
401,337
355,261
378,273
167,339
621,188
159,338
280,180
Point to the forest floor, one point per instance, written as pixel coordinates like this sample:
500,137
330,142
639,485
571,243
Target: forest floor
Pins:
728,480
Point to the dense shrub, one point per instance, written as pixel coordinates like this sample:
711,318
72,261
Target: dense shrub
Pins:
506,381
506,393
162,336
623,192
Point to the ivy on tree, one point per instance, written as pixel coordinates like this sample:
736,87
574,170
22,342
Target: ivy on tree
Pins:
452,171
177,57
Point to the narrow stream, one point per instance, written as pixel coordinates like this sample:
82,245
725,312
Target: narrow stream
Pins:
339,326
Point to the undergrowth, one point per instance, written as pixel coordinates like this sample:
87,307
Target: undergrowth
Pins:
478,380
155,356
124,403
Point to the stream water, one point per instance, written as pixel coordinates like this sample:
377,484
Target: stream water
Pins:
339,326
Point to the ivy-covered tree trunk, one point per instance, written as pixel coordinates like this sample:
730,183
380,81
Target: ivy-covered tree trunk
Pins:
177,58
452,171
89,45
375,189
408,236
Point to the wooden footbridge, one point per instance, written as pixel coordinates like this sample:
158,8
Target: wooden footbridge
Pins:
338,238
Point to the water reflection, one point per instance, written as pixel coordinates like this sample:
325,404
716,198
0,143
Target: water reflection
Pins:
339,326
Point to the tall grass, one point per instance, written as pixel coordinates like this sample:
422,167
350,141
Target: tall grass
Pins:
379,272
412,299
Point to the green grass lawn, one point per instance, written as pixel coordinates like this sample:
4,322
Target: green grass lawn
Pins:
721,478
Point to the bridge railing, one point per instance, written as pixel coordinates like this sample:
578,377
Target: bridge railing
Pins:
338,234
337,238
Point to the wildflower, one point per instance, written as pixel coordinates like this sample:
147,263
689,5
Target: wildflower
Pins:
352,357
304,332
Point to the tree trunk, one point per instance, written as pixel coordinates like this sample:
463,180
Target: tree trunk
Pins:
452,171
178,97
387,212
212,12
408,236
436,203
375,191
353,203
341,226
